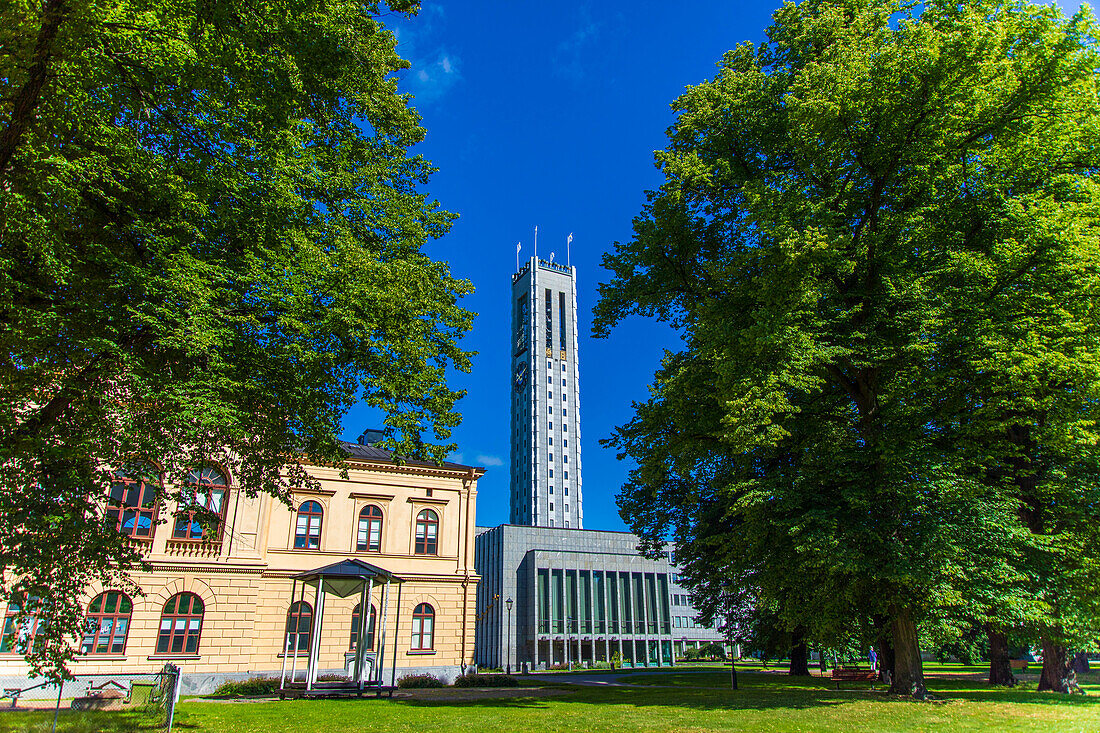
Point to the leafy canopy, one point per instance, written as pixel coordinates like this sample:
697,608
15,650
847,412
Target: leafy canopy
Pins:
210,247
877,237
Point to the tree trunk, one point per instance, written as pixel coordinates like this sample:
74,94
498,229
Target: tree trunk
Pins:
1000,670
25,100
1080,663
733,673
800,655
884,648
1058,674
908,673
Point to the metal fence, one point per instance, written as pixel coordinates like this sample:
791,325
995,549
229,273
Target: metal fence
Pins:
107,702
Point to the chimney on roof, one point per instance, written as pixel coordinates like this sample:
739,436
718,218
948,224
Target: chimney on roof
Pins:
371,436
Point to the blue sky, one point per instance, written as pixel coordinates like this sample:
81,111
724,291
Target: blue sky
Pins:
548,114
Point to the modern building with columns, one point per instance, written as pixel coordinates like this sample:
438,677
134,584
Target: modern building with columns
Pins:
579,597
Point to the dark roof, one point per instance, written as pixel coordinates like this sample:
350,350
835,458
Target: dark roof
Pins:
347,576
350,568
381,455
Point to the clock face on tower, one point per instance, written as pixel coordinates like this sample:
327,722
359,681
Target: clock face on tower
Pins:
520,380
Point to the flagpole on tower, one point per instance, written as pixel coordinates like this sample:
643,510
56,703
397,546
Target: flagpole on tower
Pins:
536,243
568,241
518,247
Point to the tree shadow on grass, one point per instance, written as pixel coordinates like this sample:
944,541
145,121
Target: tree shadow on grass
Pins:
762,697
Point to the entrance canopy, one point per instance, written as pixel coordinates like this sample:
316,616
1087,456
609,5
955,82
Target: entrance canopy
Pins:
343,579
347,576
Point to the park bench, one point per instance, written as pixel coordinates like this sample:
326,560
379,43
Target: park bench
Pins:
15,692
1018,663
849,674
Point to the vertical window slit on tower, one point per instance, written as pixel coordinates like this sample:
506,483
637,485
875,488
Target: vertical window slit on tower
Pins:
523,317
549,324
561,323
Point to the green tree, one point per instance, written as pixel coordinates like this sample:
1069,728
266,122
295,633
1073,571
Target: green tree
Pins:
824,197
210,247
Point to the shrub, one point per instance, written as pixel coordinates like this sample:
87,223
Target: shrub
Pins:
486,680
251,686
333,677
713,650
419,681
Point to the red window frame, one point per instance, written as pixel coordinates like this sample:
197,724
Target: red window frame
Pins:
132,500
183,614
370,517
21,640
427,533
423,628
107,624
208,489
299,621
371,626
306,536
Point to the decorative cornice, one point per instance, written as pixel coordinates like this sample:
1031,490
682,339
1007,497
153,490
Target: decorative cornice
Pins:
374,497
312,492
176,567
427,500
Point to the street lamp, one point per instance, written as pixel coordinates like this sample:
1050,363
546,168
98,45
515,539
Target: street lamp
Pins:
508,635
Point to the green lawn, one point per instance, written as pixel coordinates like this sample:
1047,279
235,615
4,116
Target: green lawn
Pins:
698,702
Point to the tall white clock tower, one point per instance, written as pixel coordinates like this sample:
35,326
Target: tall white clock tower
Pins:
546,429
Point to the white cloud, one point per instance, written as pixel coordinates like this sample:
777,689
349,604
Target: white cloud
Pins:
435,78
456,458
489,460
567,56
434,70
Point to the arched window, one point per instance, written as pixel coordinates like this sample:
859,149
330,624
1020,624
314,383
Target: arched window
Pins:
423,627
355,627
368,536
180,625
307,532
107,624
201,512
20,629
298,620
131,500
427,530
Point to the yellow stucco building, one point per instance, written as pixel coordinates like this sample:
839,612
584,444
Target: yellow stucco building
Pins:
217,599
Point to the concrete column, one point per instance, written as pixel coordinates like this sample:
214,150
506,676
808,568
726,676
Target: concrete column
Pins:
628,605
592,615
647,602
364,621
380,629
607,617
314,635
294,651
286,652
